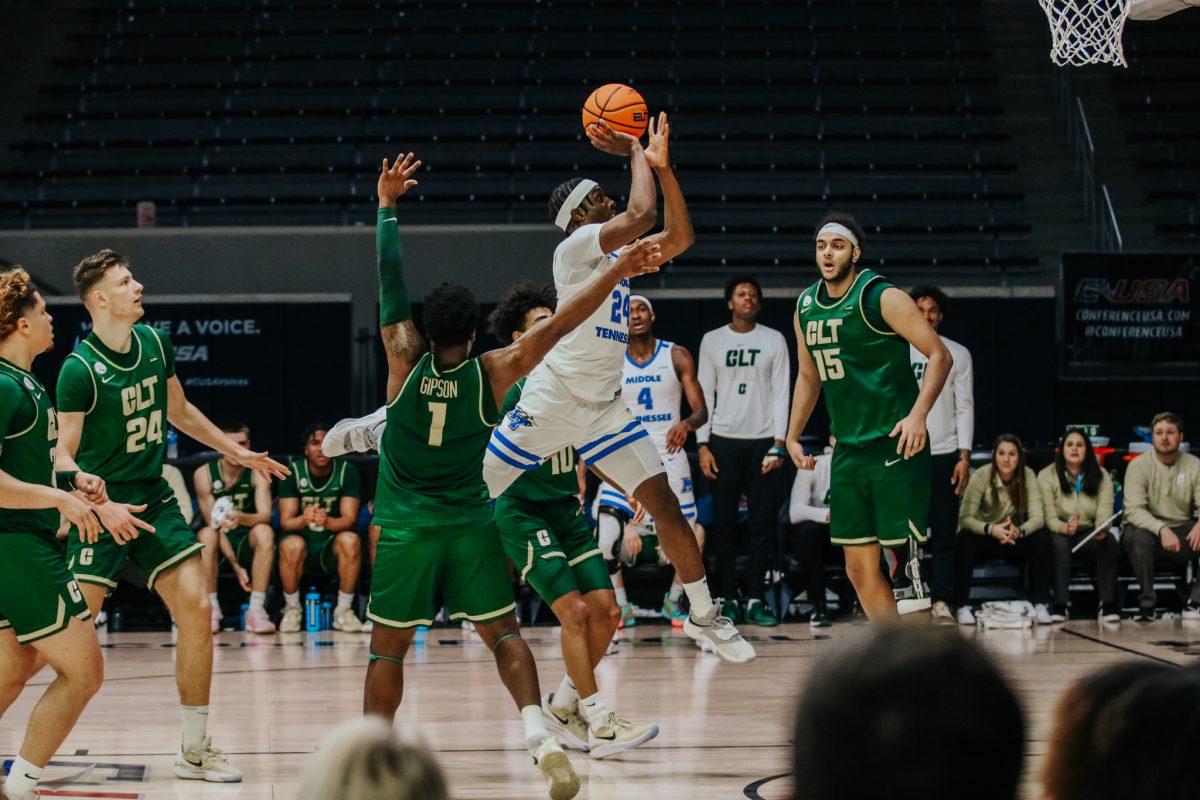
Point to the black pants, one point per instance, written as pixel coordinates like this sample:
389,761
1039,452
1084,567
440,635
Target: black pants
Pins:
943,523
739,472
1102,553
812,543
1034,553
1144,548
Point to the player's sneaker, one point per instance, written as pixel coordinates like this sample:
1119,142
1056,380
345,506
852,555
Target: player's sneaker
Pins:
614,646
759,613
1108,614
292,619
673,610
355,434
909,589
614,735
346,620
1058,613
819,618
206,764
941,613
32,794
216,619
1146,614
720,634
257,621
965,616
1041,614
732,610
1191,611
570,728
554,765
628,617
368,626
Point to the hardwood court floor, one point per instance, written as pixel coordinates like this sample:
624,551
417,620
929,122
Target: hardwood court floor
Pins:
725,729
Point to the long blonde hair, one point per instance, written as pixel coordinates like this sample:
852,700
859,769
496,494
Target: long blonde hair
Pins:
366,760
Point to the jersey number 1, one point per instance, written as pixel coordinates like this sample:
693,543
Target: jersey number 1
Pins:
438,412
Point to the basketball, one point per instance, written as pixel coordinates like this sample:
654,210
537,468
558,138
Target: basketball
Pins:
618,105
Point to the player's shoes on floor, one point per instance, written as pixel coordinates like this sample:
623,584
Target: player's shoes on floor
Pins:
355,434
1146,614
1058,613
909,589
206,764
819,618
1108,614
720,634
1191,611
674,611
628,617
292,619
368,626
941,613
32,794
346,620
614,735
732,611
216,619
965,616
257,621
554,765
759,613
1041,614
614,646
570,728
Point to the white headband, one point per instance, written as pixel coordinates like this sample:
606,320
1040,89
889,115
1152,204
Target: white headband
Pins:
642,299
563,218
840,230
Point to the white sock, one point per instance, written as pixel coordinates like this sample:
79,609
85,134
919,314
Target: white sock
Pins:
195,725
22,778
535,728
344,599
676,590
292,600
593,709
257,599
566,697
212,598
621,599
699,597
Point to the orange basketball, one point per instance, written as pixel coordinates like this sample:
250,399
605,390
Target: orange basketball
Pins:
618,105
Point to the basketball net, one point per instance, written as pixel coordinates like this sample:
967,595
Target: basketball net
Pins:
1086,31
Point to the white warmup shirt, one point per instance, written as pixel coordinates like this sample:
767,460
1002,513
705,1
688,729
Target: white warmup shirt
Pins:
652,391
810,492
746,382
951,421
588,359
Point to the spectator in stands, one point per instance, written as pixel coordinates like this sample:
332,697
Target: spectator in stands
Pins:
868,702
1162,499
318,507
1001,517
1126,732
365,760
1077,493
951,427
744,373
808,510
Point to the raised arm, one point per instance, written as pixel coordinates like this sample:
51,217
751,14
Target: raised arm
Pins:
402,344
804,399
685,369
903,316
677,234
640,212
506,365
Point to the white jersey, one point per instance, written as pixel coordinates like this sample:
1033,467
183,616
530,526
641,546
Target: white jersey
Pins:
588,359
652,391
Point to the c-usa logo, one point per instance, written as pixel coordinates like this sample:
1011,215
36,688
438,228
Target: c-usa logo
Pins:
518,418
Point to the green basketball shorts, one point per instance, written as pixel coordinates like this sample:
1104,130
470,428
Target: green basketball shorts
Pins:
152,553
38,594
318,553
465,562
551,546
878,496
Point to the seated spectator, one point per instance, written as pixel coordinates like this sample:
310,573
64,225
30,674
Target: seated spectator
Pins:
808,510
236,504
1127,732
1001,517
318,506
868,704
1077,493
1162,498
365,760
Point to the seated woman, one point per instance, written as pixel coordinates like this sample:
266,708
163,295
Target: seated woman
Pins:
1077,493
1001,517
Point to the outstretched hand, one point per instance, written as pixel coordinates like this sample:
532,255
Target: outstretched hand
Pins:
656,148
261,463
396,179
640,258
606,140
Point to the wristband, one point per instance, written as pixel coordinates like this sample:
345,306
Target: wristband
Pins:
65,479
777,451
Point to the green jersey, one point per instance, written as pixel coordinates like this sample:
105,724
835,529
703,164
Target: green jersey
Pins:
325,492
431,454
240,491
124,398
555,478
28,434
864,366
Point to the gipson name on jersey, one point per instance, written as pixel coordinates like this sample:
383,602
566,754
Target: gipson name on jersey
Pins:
439,387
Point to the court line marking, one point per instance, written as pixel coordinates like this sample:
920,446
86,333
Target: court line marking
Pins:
1122,648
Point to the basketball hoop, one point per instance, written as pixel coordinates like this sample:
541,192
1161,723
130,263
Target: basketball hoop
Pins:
1086,31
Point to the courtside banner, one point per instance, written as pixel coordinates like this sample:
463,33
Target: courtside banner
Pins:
1129,315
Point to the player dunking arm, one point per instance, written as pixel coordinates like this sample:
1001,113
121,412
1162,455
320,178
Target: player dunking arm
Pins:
853,329
116,392
431,502
574,397
657,375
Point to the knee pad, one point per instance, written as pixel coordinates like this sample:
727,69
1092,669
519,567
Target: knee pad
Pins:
611,531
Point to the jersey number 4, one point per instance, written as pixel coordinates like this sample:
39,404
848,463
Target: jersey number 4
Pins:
645,399
828,364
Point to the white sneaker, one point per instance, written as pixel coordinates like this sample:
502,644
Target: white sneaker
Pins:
1109,614
965,616
554,765
720,634
217,616
942,615
207,764
570,728
614,646
1191,611
1041,614
355,434
32,794
615,735
1057,616
257,621
368,626
292,620
346,620
100,619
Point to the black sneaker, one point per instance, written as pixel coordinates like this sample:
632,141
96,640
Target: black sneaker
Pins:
910,591
1108,613
819,618
1145,614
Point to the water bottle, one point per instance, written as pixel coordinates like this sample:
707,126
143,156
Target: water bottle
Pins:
312,610
326,616
172,442
242,622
